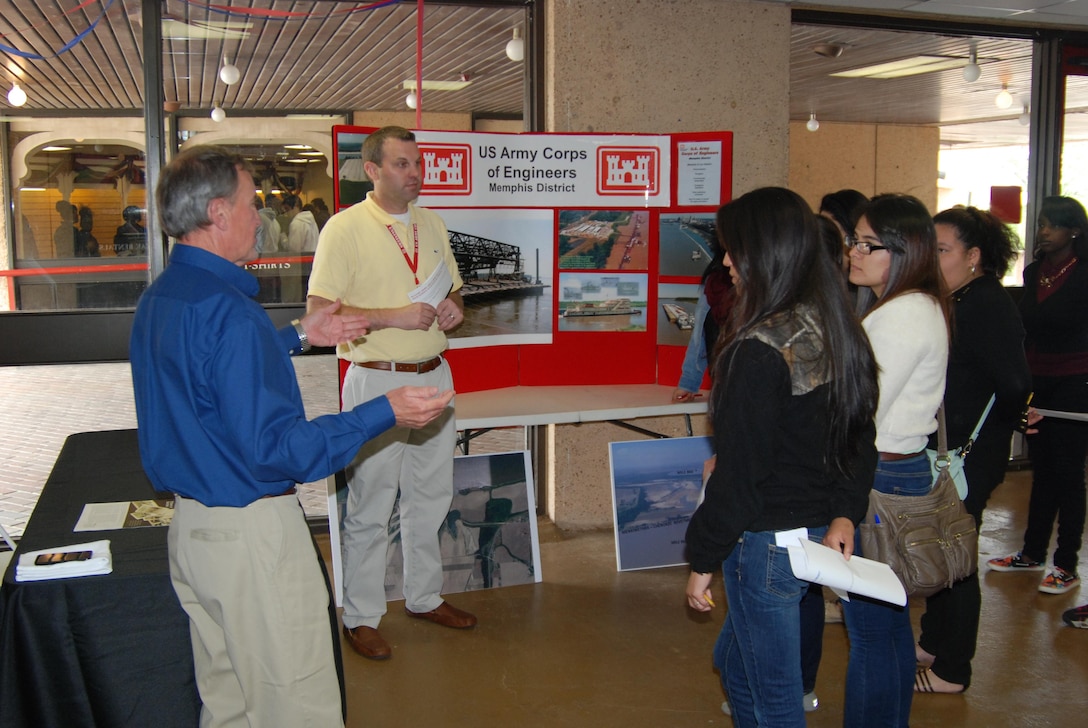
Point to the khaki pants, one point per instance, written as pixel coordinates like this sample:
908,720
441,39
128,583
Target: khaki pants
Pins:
258,614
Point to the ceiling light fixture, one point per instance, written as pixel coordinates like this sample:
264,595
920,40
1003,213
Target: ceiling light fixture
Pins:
410,100
913,66
515,48
429,85
1003,100
218,114
16,97
972,70
828,50
1025,116
229,73
812,124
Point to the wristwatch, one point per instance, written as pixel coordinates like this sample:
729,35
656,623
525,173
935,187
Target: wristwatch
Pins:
303,339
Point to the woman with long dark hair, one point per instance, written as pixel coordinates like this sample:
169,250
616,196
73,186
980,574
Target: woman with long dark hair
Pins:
792,407
893,261
1054,307
986,360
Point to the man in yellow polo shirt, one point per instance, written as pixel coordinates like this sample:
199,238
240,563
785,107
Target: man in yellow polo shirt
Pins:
372,256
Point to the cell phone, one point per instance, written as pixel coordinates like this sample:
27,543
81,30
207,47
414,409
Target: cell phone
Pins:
60,557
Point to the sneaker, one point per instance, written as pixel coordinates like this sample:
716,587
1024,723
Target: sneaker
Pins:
1077,617
1059,581
810,700
1016,562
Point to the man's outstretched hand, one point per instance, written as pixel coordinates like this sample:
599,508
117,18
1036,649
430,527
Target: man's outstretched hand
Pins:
417,406
325,327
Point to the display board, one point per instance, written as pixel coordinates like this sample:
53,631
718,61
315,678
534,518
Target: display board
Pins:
581,253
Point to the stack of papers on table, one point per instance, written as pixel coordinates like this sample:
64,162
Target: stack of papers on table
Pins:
101,562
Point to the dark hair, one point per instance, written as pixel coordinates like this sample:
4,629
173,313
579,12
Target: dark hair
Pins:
190,182
772,238
902,224
132,214
832,239
844,207
997,243
290,202
1066,212
374,144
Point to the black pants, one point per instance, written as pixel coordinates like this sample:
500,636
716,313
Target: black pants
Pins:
1057,461
949,627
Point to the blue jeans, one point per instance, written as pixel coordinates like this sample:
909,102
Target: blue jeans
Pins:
880,676
759,649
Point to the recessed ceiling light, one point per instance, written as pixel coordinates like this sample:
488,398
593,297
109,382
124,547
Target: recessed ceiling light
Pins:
410,85
56,149
912,66
297,146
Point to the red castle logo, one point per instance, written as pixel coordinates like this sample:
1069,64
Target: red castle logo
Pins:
628,171
447,169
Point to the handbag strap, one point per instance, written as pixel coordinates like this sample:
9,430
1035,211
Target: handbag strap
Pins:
966,449
942,440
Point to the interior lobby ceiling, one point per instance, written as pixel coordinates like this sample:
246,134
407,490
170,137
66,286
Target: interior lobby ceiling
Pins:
327,57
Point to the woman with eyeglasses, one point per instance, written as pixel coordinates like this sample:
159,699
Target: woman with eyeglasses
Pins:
893,261
986,360
1054,307
792,405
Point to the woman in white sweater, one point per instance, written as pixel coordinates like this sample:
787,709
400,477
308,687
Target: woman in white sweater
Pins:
893,261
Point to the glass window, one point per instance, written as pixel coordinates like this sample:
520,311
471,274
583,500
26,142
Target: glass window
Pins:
79,241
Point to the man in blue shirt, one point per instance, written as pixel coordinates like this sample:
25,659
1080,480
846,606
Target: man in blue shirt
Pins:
222,425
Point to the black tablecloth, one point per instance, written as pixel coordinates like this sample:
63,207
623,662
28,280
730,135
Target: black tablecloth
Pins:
110,650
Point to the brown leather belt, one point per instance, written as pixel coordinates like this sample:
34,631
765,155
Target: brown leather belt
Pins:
421,367
290,491
892,456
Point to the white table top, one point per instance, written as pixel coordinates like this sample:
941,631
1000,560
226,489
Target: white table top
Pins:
523,406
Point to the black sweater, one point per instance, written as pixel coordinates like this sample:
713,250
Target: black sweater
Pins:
986,358
771,473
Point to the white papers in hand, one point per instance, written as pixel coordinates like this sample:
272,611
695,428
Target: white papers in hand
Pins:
101,562
435,289
815,562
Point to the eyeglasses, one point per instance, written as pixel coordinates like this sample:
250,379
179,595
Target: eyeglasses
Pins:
863,246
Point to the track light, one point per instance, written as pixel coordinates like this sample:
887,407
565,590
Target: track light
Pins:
812,124
515,48
16,97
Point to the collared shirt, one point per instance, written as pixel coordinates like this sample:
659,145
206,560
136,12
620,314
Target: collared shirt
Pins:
220,414
358,261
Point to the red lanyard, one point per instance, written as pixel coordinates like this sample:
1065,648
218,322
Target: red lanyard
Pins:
413,262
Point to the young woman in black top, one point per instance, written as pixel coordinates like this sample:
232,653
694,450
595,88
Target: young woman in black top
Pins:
986,359
792,407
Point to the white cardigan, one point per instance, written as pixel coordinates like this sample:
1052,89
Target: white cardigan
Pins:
910,340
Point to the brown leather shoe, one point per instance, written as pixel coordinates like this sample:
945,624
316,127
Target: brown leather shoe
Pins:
446,615
367,642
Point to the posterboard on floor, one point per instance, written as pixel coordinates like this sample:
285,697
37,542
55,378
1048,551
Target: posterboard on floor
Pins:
655,488
489,538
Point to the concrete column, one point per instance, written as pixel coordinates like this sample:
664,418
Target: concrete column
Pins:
661,66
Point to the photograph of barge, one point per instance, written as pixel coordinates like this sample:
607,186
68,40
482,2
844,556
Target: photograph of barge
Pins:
615,307
505,259
603,301
686,243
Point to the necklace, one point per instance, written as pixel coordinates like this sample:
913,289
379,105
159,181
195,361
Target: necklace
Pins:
1048,281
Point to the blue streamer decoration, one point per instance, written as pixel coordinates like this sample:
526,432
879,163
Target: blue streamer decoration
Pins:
67,46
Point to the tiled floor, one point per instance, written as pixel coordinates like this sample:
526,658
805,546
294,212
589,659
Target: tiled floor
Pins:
44,404
593,647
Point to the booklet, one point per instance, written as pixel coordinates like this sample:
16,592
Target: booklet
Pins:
65,562
815,562
125,514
